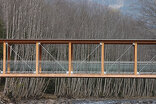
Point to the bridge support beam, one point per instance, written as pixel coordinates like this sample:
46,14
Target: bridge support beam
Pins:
70,58
8,61
135,58
102,58
40,58
4,57
37,57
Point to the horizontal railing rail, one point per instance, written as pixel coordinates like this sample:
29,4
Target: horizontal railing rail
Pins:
79,41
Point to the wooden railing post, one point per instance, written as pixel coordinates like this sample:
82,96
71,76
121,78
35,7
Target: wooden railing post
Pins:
135,58
37,57
8,61
70,58
4,57
102,58
40,58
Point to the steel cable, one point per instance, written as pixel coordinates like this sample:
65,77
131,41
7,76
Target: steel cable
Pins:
53,57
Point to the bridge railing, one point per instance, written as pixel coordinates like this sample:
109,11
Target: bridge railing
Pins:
41,68
88,67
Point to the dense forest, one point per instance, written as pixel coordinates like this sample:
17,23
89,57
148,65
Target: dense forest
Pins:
73,19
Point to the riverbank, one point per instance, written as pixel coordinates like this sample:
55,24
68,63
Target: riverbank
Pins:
52,99
87,101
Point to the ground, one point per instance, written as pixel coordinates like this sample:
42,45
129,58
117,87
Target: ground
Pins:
52,99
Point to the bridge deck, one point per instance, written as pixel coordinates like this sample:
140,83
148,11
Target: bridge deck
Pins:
80,75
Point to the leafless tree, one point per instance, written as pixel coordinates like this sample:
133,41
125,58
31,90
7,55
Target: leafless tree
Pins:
68,19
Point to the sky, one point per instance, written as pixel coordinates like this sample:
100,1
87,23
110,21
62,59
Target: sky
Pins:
126,6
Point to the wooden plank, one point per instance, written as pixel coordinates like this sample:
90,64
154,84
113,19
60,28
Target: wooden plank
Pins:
135,58
79,75
8,64
4,57
37,57
70,58
102,58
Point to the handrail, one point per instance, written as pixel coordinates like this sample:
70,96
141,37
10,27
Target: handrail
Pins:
79,41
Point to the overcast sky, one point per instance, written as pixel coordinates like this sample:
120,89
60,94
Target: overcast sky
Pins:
126,6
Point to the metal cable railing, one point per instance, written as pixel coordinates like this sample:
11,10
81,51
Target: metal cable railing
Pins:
56,61
116,61
147,66
81,65
22,60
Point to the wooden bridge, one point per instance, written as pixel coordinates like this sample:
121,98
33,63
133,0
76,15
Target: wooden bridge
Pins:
126,69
